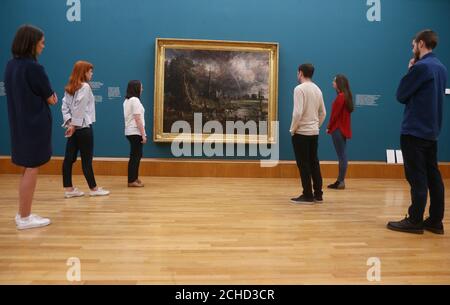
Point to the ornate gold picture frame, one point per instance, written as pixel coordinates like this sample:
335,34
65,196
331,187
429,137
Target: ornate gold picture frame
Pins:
224,82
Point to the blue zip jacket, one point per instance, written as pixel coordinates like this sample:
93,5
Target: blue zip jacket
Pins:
422,90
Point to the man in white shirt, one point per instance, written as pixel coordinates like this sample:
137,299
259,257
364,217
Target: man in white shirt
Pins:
308,115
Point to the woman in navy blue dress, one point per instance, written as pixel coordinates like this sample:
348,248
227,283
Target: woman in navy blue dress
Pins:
29,95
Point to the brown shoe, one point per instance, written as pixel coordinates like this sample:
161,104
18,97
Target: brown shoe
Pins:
136,184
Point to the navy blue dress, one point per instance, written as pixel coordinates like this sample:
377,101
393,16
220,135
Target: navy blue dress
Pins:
30,120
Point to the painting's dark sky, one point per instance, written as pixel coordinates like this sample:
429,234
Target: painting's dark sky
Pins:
246,72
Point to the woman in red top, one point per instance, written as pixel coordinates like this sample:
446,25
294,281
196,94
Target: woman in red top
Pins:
340,126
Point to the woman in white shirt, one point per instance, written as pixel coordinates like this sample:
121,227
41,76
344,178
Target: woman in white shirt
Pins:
134,130
78,111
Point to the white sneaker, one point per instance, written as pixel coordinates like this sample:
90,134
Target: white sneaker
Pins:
75,193
30,222
99,192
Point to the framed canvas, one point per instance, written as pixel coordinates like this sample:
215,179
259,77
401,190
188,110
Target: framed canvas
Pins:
230,83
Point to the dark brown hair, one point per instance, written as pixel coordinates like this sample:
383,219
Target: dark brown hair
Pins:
134,89
343,86
25,42
307,70
429,38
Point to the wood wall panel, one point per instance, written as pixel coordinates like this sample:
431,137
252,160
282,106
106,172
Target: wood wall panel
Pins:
220,168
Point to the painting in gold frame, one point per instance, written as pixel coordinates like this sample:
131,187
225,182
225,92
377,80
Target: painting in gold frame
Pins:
224,81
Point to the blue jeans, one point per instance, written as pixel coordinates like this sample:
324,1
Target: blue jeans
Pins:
340,144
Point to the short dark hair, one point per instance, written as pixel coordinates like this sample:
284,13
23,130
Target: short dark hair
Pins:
25,42
429,38
307,70
134,89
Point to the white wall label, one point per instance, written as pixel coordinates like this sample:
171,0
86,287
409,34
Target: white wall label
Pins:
113,92
96,86
2,89
447,91
362,100
74,11
374,11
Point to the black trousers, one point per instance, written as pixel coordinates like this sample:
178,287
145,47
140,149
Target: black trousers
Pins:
423,175
305,149
135,157
83,141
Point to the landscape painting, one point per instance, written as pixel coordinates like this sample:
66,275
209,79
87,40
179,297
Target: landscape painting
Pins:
223,81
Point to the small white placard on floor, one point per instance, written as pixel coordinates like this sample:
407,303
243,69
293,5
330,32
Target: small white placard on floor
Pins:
390,154
399,156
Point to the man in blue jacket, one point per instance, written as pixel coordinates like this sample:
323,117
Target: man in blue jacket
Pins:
422,90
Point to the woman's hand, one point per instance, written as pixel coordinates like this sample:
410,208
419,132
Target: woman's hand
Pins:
144,139
52,100
70,131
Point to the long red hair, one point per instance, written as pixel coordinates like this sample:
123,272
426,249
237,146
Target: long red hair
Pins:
78,76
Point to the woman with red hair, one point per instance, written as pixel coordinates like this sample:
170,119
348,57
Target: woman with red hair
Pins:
78,111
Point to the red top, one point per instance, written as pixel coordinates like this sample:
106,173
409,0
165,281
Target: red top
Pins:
340,117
